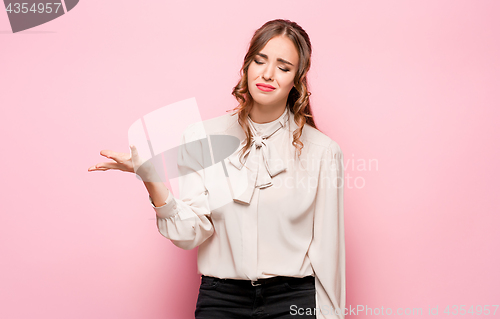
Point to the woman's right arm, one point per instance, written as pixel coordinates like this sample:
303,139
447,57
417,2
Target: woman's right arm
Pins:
158,193
185,221
125,162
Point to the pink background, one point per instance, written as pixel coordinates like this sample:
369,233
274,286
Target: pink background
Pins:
411,85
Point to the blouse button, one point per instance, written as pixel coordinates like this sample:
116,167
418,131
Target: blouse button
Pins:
258,141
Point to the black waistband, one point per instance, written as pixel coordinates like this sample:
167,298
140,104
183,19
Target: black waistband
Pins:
264,281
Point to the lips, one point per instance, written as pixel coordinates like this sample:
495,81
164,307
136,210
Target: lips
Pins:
265,87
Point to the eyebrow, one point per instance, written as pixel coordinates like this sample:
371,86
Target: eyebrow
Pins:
279,59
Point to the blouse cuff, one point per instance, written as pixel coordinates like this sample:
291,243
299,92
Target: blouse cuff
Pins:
169,209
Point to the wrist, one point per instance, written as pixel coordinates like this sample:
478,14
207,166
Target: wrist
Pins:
147,172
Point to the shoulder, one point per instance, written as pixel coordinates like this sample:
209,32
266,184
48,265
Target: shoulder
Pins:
217,125
327,150
319,139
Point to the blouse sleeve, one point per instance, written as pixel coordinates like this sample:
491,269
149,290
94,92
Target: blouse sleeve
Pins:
187,221
327,250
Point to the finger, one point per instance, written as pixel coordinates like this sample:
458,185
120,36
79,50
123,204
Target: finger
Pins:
115,156
107,166
133,152
94,168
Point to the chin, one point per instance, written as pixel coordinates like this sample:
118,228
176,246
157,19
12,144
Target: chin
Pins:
262,99
264,102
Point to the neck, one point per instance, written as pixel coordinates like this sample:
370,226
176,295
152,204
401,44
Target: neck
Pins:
263,115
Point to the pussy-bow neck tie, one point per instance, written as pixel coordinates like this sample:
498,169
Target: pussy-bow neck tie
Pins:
261,150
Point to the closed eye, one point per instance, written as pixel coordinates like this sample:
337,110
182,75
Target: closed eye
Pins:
282,69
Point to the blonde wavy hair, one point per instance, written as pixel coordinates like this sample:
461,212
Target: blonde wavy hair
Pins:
298,98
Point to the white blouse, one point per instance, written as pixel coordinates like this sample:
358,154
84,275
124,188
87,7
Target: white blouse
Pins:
274,214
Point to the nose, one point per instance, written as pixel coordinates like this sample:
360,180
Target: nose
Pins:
268,74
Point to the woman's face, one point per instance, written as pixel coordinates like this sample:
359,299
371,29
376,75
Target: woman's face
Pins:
271,73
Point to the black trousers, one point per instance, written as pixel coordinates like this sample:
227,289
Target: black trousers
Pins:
239,299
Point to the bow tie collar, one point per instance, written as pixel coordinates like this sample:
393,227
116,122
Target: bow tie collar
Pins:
261,161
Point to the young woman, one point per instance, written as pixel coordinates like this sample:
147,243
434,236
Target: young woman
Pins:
268,219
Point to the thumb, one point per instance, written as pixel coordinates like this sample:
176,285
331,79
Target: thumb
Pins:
133,152
134,156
